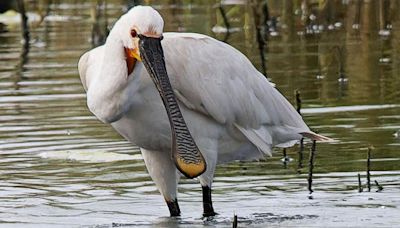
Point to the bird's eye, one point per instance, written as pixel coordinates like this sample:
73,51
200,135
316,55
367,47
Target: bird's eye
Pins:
133,33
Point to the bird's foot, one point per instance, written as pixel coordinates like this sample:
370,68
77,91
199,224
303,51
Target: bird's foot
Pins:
209,213
208,210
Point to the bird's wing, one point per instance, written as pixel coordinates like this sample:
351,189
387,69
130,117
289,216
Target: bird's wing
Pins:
87,67
215,79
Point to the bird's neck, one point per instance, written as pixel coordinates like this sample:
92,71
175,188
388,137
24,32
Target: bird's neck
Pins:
114,64
108,93
114,50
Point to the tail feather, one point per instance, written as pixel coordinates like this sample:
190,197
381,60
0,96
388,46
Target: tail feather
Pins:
316,137
262,142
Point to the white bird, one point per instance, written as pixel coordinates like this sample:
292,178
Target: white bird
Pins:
231,110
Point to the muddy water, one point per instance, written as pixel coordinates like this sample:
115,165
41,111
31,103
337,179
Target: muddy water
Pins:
62,167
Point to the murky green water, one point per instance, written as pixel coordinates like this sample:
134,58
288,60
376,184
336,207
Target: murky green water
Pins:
62,167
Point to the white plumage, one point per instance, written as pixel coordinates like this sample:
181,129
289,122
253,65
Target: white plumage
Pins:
231,110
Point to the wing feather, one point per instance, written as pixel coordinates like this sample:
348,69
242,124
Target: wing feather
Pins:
231,90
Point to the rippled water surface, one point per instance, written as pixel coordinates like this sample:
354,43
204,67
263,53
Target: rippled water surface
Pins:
59,166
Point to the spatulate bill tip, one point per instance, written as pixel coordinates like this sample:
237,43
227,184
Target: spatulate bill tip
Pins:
190,169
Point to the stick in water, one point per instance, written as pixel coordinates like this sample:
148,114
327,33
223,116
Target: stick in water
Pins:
380,188
360,188
298,101
300,162
298,108
369,168
311,167
285,158
235,221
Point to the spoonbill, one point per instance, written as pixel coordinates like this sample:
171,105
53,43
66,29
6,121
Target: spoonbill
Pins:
187,100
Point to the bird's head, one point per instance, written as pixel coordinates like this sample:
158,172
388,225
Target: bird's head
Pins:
137,24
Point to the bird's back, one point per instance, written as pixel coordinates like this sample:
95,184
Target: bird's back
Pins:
213,78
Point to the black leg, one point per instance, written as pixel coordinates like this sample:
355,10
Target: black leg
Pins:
207,202
173,208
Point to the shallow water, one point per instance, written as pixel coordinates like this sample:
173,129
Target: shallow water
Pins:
62,167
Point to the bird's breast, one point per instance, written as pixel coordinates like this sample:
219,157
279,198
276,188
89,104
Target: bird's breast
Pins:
146,123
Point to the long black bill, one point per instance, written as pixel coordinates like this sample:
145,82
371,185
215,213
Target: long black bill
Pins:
188,159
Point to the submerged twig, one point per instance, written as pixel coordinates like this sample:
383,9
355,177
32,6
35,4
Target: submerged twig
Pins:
340,59
226,22
285,158
300,161
360,188
380,188
260,40
311,167
235,221
100,23
301,149
24,21
369,169
298,101
133,3
26,42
